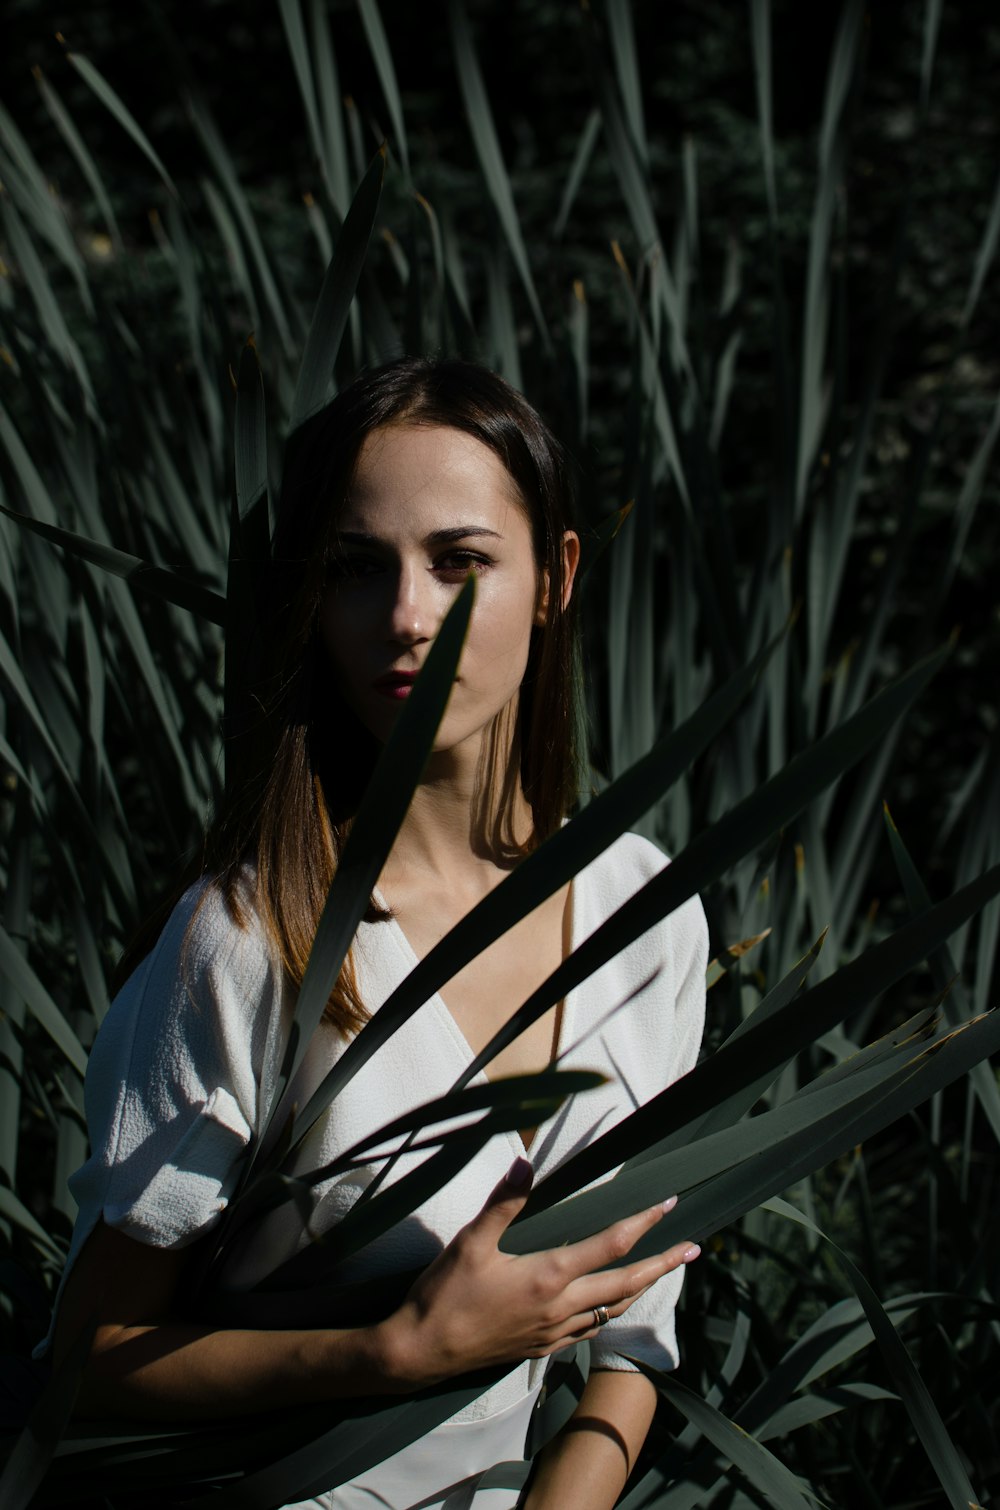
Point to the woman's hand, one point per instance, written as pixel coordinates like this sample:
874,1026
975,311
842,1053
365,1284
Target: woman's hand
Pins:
475,1305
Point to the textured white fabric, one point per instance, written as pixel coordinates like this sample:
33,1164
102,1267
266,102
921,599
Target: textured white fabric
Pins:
183,1067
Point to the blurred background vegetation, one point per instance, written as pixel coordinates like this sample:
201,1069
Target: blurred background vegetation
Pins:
742,258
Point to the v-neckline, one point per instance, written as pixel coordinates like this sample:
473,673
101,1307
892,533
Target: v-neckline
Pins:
569,928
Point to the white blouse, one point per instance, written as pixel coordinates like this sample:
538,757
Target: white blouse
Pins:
182,1071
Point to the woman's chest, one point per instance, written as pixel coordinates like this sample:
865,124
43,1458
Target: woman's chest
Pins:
484,995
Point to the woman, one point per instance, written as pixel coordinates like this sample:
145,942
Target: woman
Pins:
418,474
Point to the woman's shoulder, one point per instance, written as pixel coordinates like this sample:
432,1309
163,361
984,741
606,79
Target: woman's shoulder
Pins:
212,959
198,1011
212,927
624,868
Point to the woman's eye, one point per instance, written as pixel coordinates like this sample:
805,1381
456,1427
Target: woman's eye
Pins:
351,568
462,562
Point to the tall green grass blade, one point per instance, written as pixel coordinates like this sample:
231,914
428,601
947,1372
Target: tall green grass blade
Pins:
728,1109
539,876
816,314
737,1169
768,1476
622,34
945,973
578,168
81,152
113,103
372,834
932,26
46,303
328,85
14,1210
984,257
25,182
484,136
760,40
160,581
339,287
930,1429
378,44
34,1449
298,48
518,1100
766,1046
22,978
971,492
267,292
250,460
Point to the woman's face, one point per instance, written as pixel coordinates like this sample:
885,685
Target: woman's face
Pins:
427,505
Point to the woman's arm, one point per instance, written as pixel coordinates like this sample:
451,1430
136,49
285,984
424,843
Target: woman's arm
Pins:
473,1307
587,1463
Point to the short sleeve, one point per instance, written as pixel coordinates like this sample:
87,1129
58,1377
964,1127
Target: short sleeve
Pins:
172,1092
647,1329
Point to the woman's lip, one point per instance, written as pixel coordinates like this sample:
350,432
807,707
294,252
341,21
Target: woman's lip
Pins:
397,684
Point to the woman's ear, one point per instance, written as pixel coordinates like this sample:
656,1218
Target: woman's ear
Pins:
571,560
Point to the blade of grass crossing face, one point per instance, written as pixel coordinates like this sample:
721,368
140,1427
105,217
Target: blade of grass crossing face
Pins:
372,834
326,331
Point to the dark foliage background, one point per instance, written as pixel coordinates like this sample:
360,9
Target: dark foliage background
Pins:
929,179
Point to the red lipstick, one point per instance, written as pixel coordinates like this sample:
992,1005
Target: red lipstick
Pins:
396,684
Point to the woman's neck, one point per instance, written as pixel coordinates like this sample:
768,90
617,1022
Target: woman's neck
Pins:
467,825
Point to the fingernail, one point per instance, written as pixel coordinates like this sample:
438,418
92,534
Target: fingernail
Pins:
691,1253
669,1204
519,1174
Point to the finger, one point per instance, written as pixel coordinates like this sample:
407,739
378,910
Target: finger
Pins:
618,1288
503,1203
616,1241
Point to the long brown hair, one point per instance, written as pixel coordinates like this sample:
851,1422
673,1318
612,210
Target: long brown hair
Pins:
303,771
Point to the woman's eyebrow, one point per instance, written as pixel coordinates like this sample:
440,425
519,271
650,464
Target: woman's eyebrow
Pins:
436,537
461,532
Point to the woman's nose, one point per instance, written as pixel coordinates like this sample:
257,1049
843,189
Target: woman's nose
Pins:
412,613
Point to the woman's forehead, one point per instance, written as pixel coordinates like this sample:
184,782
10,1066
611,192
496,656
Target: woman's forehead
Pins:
429,474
